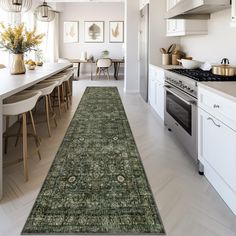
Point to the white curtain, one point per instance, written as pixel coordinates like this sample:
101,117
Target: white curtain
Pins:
54,39
50,45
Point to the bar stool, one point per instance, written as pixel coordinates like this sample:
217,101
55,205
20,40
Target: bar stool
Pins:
59,88
2,66
67,86
21,104
46,89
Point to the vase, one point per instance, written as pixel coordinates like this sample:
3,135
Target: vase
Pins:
18,65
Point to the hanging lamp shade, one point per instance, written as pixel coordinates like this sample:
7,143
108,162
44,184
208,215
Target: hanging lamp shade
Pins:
16,5
44,13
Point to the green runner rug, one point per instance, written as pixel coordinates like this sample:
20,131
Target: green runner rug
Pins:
97,183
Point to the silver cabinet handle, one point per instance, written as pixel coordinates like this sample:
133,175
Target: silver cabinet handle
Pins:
209,118
216,106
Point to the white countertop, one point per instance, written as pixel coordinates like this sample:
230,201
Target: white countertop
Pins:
225,89
11,84
168,67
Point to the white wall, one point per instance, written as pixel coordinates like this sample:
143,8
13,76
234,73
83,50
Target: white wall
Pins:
219,43
158,37
90,12
131,53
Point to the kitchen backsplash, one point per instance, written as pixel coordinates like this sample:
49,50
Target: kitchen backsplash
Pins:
219,43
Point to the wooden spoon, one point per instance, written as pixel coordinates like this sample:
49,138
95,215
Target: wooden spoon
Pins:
163,51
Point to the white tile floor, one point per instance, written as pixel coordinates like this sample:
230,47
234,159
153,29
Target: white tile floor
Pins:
188,205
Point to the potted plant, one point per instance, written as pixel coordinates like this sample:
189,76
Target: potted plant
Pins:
105,54
17,40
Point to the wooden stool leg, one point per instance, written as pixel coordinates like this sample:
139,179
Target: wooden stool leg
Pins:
6,138
63,95
37,142
59,100
48,115
52,110
25,147
108,76
18,132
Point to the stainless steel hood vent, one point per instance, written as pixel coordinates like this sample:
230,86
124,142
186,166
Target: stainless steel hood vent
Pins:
196,9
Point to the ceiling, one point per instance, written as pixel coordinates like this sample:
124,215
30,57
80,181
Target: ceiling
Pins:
68,1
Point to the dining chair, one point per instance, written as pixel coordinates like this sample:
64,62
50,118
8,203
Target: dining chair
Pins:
103,65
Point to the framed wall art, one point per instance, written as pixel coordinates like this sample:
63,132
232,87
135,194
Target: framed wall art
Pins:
94,31
71,32
116,31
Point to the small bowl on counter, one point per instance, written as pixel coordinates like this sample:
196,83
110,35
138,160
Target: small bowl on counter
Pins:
190,64
31,67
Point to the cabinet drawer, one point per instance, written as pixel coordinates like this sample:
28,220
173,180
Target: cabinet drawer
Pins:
157,73
220,107
217,146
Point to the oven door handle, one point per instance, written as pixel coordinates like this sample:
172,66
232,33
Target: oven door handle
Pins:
190,103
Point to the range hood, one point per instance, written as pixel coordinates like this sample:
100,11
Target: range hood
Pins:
196,9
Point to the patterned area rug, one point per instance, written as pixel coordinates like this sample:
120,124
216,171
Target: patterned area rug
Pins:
97,183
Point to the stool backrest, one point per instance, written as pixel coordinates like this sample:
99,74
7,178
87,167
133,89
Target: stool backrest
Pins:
104,62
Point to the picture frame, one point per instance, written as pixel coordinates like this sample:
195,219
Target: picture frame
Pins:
94,31
71,32
116,31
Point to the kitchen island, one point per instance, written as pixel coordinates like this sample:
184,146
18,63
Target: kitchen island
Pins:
12,84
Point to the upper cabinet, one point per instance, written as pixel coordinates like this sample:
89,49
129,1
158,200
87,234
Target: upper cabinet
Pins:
143,3
179,27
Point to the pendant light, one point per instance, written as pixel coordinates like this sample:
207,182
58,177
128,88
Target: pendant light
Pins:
44,13
16,5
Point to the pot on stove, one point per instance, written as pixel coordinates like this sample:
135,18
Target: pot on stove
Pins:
224,69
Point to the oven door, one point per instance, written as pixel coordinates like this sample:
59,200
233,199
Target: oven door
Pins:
181,117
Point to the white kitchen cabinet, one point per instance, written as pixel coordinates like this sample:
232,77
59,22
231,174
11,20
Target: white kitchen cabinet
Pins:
156,89
180,27
143,3
217,148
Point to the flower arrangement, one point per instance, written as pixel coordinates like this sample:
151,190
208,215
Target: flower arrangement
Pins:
18,40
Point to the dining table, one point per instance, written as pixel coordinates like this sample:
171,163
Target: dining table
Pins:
12,84
116,62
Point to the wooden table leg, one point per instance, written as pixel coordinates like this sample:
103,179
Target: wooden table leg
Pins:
78,72
1,152
115,69
91,70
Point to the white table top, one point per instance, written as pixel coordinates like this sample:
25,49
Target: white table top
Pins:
11,84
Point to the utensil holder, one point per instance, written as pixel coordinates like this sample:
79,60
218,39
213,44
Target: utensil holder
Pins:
166,59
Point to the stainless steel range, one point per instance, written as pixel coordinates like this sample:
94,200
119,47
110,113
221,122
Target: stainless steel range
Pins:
181,92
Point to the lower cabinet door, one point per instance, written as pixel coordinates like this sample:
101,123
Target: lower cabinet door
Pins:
160,94
217,147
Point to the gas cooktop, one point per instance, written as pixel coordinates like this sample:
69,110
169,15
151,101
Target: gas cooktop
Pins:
202,76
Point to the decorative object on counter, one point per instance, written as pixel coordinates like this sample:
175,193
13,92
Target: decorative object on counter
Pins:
190,64
105,54
166,59
224,69
18,40
31,65
83,56
116,31
16,5
167,54
44,12
71,32
39,58
206,66
176,55
94,31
